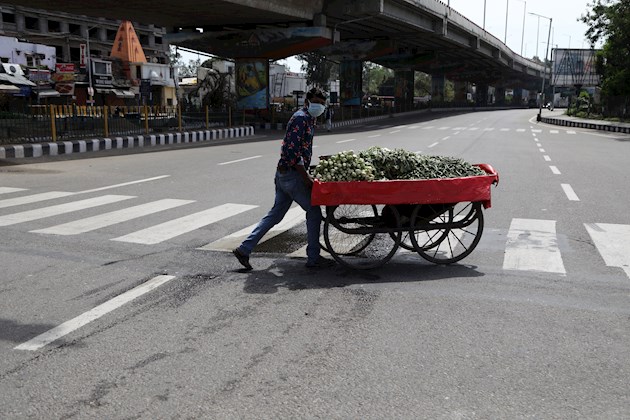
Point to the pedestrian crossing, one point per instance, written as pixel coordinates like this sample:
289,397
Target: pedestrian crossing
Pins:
526,244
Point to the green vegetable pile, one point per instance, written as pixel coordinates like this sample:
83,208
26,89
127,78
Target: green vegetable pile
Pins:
379,163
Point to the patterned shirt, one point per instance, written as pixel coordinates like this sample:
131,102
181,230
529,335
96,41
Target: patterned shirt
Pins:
297,145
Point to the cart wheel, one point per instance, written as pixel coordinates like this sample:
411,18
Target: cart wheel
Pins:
426,225
335,233
358,237
449,245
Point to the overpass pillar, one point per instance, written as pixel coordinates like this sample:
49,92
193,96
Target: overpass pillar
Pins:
461,91
403,90
350,81
517,98
481,94
438,87
499,95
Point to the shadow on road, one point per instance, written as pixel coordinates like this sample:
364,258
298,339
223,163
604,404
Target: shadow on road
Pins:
297,277
18,333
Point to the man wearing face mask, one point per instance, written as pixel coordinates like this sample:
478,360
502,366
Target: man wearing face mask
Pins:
293,183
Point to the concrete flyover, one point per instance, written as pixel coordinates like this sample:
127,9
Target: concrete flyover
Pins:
423,35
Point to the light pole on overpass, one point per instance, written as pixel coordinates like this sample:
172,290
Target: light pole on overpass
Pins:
542,90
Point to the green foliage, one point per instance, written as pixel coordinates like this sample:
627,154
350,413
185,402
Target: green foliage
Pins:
318,69
609,21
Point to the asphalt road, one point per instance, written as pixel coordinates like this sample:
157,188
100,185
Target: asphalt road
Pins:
119,297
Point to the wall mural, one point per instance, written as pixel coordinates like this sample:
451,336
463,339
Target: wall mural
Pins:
252,83
350,75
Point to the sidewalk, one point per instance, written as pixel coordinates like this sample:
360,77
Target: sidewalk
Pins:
558,117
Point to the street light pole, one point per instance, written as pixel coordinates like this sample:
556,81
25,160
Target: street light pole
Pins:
484,15
542,90
507,7
88,63
523,33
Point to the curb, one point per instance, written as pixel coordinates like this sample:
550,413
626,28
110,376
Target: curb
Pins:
58,148
588,125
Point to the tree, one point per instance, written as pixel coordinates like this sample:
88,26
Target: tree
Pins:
318,69
609,21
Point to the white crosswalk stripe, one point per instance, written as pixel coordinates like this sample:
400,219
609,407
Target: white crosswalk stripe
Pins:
164,231
96,222
294,216
532,245
30,215
613,243
7,190
35,198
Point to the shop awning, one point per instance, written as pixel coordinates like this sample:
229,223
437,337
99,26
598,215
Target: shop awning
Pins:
9,88
48,93
124,93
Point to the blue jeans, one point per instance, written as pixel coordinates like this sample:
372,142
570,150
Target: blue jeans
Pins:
289,188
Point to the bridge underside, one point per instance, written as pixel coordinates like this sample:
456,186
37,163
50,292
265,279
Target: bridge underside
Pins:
421,35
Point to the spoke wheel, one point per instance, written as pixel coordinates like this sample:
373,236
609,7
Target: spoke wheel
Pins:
424,216
446,245
359,237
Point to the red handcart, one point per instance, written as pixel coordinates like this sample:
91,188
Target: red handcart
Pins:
367,221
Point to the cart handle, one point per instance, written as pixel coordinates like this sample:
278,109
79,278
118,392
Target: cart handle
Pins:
487,168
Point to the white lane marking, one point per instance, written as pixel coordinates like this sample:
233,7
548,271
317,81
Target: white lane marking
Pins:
542,150
612,242
428,127
456,133
553,131
346,141
459,128
532,245
6,190
294,216
419,152
162,232
446,138
35,198
473,129
571,195
536,131
27,216
394,131
505,129
239,160
97,222
444,128
554,169
538,144
93,314
520,130
412,127
374,135
488,129
571,132
547,158
123,184
432,145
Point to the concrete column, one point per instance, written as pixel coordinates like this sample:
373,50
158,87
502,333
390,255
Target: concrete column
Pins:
461,91
517,98
403,90
481,94
438,87
499,95
350,78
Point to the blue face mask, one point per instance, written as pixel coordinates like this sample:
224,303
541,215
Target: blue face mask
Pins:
316,109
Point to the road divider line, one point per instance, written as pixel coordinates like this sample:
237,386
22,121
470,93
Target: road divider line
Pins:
124,184
446,138
542,150
571,195
374,135
554,169
345,141
433,144
547,158
92,315
239,160
394,131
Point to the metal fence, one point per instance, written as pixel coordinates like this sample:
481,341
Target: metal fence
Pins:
61,122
